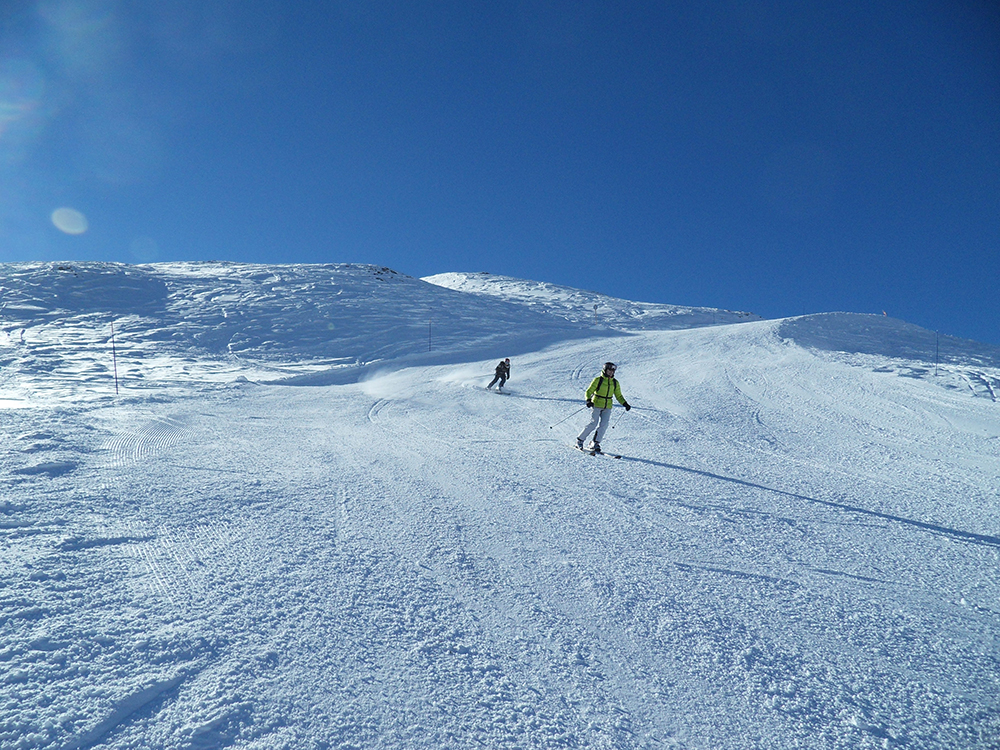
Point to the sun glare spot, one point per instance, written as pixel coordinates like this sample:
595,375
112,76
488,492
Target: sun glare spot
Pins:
69,220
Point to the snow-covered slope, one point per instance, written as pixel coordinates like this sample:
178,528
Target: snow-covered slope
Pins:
198,322
261,544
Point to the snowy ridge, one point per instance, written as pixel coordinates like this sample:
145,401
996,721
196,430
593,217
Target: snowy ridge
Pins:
876,335
798,549
888,345
579,306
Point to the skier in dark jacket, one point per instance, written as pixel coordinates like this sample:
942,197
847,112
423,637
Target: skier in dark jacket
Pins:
502,375
600,397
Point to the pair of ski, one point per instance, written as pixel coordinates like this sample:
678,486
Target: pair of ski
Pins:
596,453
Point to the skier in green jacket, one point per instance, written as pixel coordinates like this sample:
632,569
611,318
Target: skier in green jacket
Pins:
600,397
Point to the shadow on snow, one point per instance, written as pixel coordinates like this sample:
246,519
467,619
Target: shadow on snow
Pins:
957,534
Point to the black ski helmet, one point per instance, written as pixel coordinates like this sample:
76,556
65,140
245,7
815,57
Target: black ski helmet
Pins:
610,366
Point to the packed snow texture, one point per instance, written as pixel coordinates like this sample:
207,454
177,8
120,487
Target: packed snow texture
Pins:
301,521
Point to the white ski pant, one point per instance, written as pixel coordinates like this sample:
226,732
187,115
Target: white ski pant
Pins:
599,419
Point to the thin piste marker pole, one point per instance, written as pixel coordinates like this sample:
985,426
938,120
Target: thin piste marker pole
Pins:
114,356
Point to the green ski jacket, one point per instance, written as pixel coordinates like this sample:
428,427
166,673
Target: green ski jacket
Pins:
602,390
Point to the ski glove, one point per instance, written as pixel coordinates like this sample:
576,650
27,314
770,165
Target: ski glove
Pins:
590,403
627,407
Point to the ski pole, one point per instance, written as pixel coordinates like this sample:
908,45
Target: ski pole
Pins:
618,420
571,415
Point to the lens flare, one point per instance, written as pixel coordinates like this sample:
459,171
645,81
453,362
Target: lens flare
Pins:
69,220
84,34
21,87
144,249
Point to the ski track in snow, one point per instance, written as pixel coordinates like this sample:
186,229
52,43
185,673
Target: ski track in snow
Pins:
798,550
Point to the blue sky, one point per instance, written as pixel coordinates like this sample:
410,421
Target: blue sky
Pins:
780,157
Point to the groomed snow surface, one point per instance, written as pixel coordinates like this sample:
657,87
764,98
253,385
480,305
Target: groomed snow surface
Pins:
303,523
